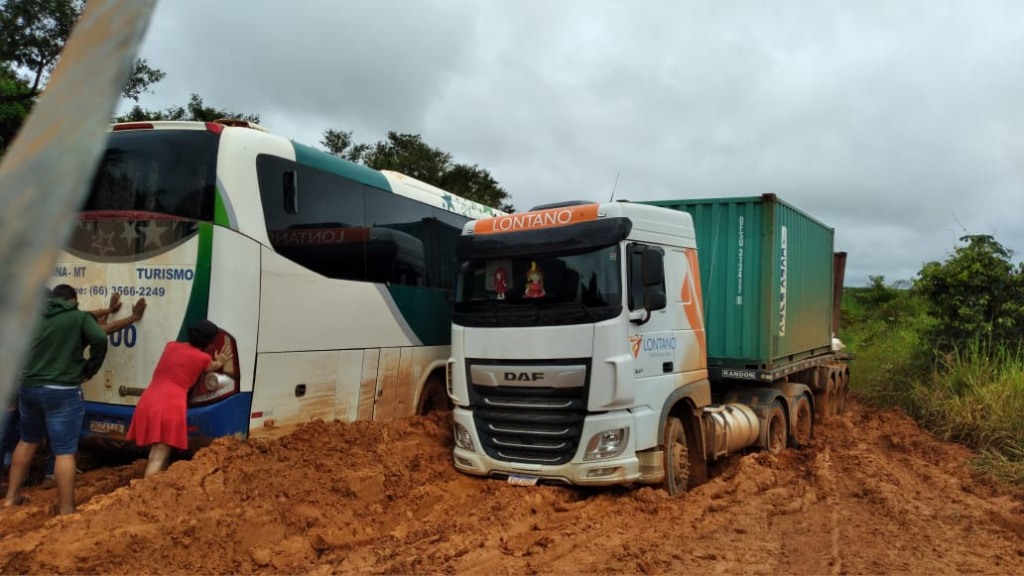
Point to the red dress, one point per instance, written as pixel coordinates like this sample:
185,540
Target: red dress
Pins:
160,415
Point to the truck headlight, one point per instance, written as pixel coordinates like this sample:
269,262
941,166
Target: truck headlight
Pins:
463,439
607,444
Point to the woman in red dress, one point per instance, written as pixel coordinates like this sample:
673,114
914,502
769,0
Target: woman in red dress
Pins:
160,417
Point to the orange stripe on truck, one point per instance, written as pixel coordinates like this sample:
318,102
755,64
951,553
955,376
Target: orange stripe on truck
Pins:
549,218
693,301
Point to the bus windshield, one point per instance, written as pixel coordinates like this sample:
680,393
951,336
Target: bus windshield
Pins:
543,290
169,172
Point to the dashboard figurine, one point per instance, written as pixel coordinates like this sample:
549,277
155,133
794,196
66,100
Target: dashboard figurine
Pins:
534,282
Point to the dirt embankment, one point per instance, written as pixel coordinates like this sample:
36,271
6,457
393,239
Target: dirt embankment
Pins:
873,494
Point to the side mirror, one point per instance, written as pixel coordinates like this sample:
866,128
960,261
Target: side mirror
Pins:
654,298
646,282
653,267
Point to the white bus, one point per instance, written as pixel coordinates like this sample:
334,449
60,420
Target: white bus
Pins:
331,282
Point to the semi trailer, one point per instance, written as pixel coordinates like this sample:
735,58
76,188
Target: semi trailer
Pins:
619,343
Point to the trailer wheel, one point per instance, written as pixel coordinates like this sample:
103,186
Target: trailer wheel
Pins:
843,391
823,394
433,397
838,393
822,403
803,426
677,457
833,393
776,431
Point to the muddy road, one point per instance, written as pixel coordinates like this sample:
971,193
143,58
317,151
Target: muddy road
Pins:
872,494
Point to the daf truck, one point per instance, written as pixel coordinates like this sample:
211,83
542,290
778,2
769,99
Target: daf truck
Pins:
620,343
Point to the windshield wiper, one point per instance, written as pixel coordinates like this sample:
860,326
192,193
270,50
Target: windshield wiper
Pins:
498,312
575,305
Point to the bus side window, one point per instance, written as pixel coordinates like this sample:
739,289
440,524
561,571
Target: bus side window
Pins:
291,192
326,236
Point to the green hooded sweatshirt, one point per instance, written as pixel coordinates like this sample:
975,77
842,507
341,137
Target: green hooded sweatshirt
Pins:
55,354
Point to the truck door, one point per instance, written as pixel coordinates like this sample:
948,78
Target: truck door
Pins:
651,335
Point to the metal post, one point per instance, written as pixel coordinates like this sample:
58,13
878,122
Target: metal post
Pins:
46,171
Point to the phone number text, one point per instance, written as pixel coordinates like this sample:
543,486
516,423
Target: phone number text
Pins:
130,291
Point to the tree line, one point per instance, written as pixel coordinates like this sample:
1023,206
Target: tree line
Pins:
33,32
975,296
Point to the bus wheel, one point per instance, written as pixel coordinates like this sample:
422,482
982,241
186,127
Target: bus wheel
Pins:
776,434
677,457
803,427
434,397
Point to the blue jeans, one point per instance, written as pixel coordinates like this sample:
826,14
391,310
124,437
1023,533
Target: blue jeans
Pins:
10,434
54,412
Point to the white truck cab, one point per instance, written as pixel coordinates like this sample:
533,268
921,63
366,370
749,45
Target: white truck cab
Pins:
579,350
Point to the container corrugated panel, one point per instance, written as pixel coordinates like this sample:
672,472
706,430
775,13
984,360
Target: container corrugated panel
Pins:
766,278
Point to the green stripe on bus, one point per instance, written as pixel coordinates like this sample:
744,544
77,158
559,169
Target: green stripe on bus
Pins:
199,299
427,311
220,212
330,163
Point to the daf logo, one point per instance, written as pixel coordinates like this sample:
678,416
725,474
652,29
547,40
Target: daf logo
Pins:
523,376
529,375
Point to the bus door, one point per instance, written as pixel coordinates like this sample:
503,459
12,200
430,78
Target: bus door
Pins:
368,384
348,391
395,388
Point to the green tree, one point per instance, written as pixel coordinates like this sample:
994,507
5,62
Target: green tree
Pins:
477,184
976,294
32,35
410,155
339,143
13,110
195,110
142,77
889,303
879,293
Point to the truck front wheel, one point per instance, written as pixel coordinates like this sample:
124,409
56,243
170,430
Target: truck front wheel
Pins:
433,397
677,457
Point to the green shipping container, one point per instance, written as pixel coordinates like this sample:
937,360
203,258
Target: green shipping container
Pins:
766,277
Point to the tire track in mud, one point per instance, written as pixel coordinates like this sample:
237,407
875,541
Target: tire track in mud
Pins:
913,503
827,480
810,520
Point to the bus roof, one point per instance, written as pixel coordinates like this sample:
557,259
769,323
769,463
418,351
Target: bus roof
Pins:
185,125
428,194
389,180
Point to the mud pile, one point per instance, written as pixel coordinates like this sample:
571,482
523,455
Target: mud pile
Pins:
871,494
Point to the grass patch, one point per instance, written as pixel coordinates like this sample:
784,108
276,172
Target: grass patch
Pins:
973,395
886,364
1001,467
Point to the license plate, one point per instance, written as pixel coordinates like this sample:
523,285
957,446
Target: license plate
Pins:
105,427
522,480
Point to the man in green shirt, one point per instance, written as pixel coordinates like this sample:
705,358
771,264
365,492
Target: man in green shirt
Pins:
50,400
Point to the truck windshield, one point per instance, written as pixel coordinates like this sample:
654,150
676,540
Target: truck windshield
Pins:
542,290
169,172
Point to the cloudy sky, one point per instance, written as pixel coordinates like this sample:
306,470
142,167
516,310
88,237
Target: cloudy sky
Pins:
898,123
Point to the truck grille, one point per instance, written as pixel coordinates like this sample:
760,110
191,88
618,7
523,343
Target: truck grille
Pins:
531,424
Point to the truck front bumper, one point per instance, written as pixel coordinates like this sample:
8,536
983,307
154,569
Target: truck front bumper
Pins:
622,469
